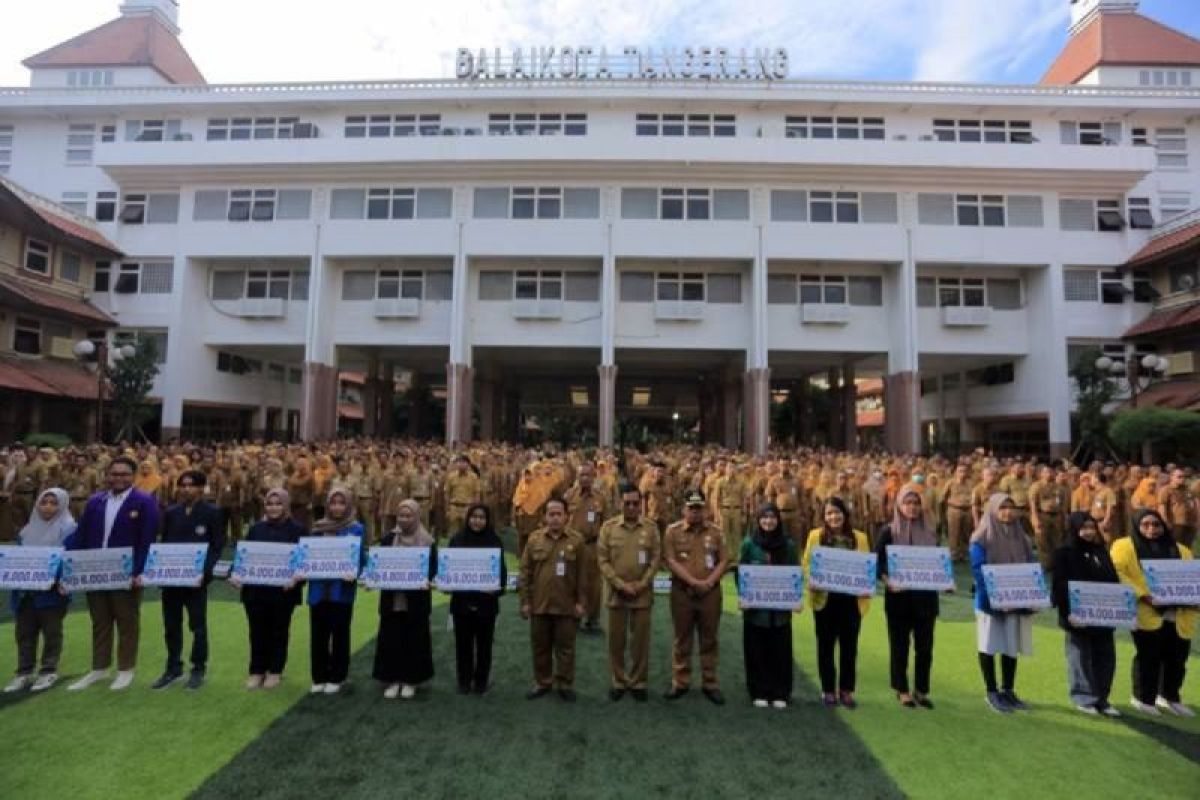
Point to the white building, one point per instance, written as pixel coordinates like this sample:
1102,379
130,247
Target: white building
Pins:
615,245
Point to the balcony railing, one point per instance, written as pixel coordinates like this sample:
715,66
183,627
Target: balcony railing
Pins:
258,307
397,308
679,310
824,314
966,316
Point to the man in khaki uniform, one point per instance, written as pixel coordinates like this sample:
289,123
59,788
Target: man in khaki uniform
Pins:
988,485
420,485
552,597
463,489
1016,483
1048,504
731,504
81,482
628,553
785,492
1104,509
24,489
1178,507
588,508
956,502
362,486
656,489
695,552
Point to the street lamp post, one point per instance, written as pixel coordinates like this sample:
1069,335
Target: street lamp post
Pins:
85,350
1137,373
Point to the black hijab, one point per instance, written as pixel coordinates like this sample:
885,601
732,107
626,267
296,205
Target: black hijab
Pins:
1162,547
471,538
773,542
1087,561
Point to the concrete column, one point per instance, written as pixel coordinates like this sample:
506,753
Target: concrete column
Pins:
902,412
487,408
418,408
849,409
370,397
387,397
607,403
512,414
833,424
318,411
459,403
902,385
758,410
731,389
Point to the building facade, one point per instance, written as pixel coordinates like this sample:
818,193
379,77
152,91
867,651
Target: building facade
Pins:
614,247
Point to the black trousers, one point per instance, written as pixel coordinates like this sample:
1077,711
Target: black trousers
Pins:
330,647
473,637
1159,663
904,627
270,628
768,657
174,601
838,623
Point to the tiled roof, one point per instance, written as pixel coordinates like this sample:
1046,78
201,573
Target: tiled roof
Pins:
128,41
1181,395
34,299
33,213
1167,245
47,376
349,411
1122,40
1160,322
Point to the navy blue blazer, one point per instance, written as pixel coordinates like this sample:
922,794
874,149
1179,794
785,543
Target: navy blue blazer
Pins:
136,526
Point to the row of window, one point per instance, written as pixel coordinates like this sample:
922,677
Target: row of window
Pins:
813,289
941,292
243,365
38,258
396,284
259,284
6,148
994,375
1106,286
391,203
149,277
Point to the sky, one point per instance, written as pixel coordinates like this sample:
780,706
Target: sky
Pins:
246,41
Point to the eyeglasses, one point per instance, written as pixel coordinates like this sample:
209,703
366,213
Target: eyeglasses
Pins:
1150,523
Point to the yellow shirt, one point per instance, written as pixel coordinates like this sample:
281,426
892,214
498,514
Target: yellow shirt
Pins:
818,598
1129,569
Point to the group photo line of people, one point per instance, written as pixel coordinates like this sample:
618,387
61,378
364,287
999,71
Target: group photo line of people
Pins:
593,531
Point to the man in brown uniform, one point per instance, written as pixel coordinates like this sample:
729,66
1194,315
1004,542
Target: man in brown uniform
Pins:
956,501
1016,484
420,485
588,508
552,597
695,552
731,504
784,491
463,489
987,486
656,489
362,486
1104,509
24,489
628,553
1048,504
81,482
1178,507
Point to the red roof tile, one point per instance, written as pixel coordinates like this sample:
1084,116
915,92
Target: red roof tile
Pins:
47,376
1181,395
132,41
33,213
1167,245
1120,39
1160,322
53,303
348,411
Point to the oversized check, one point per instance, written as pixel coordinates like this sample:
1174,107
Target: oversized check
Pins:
1011,586
100,570
926,568
175,565
330,557
469,569
779,588
397,568
662,583
832,569
1101,605
1173,582
264,563
29,568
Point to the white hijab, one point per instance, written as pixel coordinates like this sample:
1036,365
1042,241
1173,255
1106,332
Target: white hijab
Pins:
51,532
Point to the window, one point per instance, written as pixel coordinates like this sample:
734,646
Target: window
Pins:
1112,288
1138,137
1171,144
866,290
384,126
281,284
803,127
540,202
1143,287
101,276
1108,215
637,287
789,206
495,285
639,203
391,203
686,125
1080,286
974,209
529,124
27,336
106,206
81,139
133,209
6,147
1140,217
37,257
1172,204
147,278
1004,294
731,204
75,201
538,285
581,287
823,289
994,375
992,131
94,78
926,292
961,292
724,288
138,209
833,206
251,204
1090,215
673,286
781,290
157,341
153,130
681,204
71,267
247,128
1090,133
581,203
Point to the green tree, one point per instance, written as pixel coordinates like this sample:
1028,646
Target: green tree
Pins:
1165,430
130,381
1095,391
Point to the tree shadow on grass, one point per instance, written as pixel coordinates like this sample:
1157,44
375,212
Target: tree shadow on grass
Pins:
445,745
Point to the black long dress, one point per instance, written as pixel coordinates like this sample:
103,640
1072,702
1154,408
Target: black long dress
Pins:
403,648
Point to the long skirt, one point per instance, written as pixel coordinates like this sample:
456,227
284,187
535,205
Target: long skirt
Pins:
403,649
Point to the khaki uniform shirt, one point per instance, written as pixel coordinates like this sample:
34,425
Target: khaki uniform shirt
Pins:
588,512
552,572
629,553
699,549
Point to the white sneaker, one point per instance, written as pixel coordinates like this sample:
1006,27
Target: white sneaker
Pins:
332,688
1110,711
760,703
1087,709
1178,709
779,704
392,691
18,683
317,688
123,681
1145,708
95,676
408,692
44,682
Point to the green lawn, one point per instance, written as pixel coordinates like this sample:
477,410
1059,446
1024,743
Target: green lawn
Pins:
224,741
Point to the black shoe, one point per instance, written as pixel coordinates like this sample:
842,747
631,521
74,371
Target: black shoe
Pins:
675,692
715,696
1014,702
195,680
924,702
464,688
536,692
640,695
480,688
616,693
995,701
568,695
166,679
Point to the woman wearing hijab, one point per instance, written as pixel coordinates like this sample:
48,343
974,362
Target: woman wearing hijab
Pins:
269,609
150,481
475,612
41,612
766,633
302,489
838,616
403,649
911,613
1163,635
331,602
1000,539
1091,654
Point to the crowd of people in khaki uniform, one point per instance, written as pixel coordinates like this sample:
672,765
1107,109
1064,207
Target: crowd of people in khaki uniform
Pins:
595,527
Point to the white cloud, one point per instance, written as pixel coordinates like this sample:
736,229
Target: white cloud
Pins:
297,40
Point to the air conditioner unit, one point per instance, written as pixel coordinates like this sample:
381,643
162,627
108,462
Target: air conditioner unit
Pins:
824,313
397,308
966,316
537,309
679,310
62,347
260,307
1184,363
305,130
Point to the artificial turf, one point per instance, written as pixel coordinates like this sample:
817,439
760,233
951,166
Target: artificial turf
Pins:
226,742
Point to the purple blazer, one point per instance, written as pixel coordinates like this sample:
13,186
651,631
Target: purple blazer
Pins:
136,526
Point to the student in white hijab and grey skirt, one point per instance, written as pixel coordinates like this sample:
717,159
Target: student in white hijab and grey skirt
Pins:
1000,539
41,612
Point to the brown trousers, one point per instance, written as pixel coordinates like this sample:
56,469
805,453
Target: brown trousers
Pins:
526,524
592,583
733,528
553,640
30,622
1050,538
122,609
958,530
623,621
690,616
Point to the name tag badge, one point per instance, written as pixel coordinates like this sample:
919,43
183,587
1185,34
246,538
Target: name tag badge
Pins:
560,569
642,557
708,561
591,517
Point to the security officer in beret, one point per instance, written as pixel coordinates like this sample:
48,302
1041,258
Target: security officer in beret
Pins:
695,552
